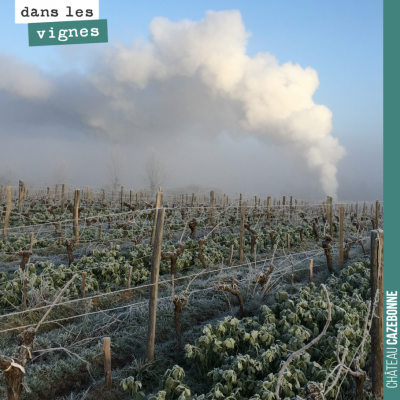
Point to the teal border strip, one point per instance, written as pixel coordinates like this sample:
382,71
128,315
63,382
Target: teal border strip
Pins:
391,168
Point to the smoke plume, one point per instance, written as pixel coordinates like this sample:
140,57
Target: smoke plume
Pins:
275,100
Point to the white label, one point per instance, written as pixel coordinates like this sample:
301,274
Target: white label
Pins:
30,11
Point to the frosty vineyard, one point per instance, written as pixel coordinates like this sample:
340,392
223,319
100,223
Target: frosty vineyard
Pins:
188,296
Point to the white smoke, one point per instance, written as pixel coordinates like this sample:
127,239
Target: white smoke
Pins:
276,100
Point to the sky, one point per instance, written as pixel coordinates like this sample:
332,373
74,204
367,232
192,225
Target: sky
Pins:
266,98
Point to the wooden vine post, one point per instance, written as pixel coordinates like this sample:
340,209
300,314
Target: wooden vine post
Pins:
8,210
155,270
377,214
212,206
76,215
128,286
122,198
31,238
21,195
59,231
198,202
239,205
230,255
158,205
62,198
24,293
242,222
310,269
83,285
269,210
377,322
107,360
341,242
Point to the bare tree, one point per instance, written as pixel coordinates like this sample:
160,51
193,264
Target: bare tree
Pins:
114,167
61,173
155,170
7,177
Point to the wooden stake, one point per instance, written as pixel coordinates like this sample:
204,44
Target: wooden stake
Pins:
111,246
56,195
376,277
341,240
129,277
155,269
212,206
107,360
21,195
230,255
283,206
62,198
327,208
24,291
122,198
83,285
269,210
310,269
59,235
76,215
377,214
8,210
288,241
158,205
242,221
